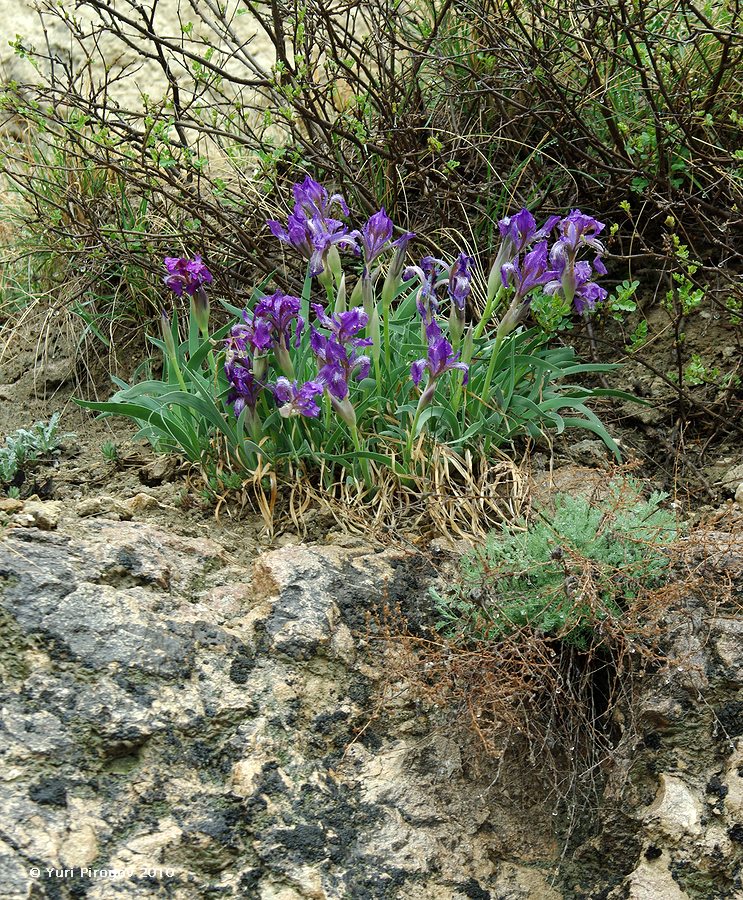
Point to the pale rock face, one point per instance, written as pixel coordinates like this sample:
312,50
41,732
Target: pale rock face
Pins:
734,783
653,881
80,846
675,809
172,704
146,76
149,849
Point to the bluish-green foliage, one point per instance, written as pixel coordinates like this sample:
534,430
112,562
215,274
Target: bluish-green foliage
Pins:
27,444
566,573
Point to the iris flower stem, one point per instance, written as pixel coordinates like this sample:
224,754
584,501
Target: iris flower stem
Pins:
292,441
468,348
423,402
457,394
207,340
362,460
255,427
178,374
491,304
328,412
386,325
491,367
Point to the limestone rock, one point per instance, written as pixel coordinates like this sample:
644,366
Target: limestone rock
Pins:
140,502
109,507
653,881
732,479
159,470
55,372
43,514
174,705
79,847
674,809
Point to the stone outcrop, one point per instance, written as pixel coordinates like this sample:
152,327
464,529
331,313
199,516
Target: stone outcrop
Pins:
188,722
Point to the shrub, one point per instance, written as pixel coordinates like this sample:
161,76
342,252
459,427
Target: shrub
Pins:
543,634
451,113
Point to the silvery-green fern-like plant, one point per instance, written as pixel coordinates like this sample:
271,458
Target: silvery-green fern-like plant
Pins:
567,573
25,445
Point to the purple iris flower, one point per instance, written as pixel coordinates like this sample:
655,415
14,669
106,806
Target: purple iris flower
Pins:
309,228
576,284
573,276
313,198
337,355
244,386
296,233
297,400
533,272
432,273
520,231
253,336
186,274
587,296
460,280
441,358
578,229
338,364
277,312
375,236
344,326
314,237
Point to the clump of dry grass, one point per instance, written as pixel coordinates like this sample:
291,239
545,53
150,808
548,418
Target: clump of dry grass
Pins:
461,495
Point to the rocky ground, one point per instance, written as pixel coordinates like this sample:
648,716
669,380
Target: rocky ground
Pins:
195,721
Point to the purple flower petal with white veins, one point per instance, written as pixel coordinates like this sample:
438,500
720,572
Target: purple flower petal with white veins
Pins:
244,387
313,198
441,358
344,325
578,229
297,400
532,273
376,235
432,274
460,280
311,230
278,311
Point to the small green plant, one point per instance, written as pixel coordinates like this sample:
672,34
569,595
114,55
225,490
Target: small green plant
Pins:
570,574
110,451
734,306
621,301
27,444
698,372
638,338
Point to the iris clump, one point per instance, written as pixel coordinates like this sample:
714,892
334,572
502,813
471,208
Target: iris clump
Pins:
379,357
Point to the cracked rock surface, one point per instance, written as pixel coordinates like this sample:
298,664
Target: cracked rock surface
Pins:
197,723
189,719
